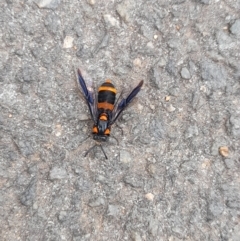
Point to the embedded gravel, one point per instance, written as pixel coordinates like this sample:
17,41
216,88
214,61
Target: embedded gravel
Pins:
173,165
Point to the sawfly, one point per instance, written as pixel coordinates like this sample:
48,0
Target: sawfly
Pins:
104,108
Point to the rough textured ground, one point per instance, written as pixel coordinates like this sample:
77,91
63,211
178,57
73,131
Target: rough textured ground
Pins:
166,179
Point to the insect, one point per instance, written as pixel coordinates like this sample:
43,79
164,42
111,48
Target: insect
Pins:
104,108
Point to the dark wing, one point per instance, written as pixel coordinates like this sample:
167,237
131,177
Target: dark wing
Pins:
89,96
124,103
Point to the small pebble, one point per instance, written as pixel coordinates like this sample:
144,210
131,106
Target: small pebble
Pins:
150,45
35,206
58,131
151,169
91,2
185,73
171,108
167,98
57,173
203,88
206,164
135,236
137,62
149,196
125,157
223,150
235,28
152,107
51,4
68,42
113,210
110,21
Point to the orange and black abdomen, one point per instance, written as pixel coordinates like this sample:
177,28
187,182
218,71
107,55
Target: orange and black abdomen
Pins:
106,97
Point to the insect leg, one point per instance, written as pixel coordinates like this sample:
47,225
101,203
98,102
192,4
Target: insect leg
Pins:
93,148
89,150
103,151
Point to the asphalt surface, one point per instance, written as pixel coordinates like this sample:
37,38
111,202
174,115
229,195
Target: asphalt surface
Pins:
173,164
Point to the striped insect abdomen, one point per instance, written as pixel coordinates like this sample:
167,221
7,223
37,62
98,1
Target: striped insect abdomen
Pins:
106,96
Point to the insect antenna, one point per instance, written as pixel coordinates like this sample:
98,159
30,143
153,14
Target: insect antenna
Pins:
93,148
